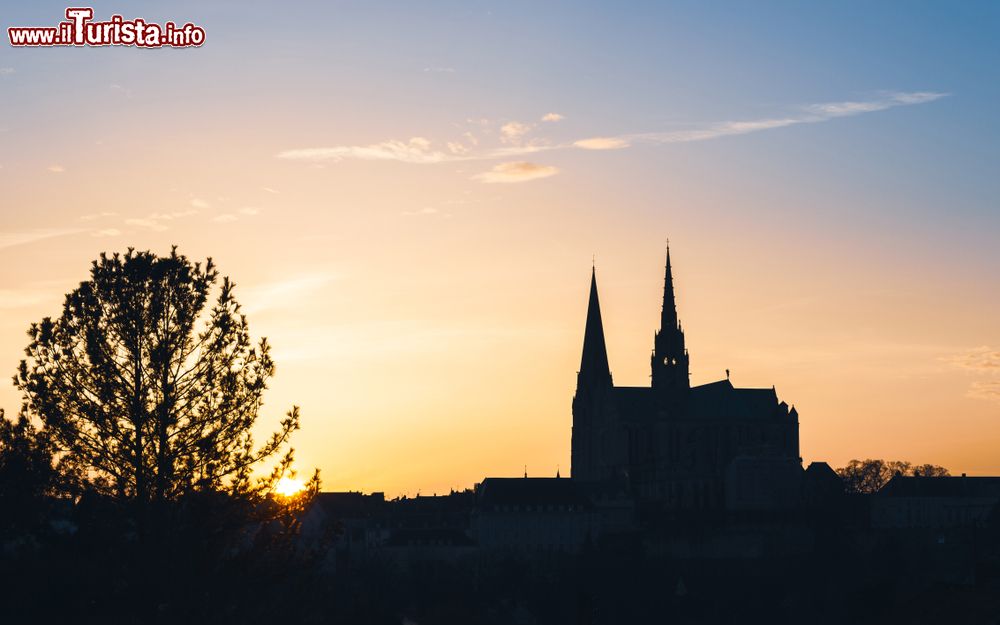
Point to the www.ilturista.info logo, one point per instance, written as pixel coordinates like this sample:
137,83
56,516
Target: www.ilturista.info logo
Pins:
79,29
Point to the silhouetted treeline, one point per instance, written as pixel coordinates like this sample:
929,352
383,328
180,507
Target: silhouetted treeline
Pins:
869,476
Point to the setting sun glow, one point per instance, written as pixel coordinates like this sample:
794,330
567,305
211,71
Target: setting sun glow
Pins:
288,486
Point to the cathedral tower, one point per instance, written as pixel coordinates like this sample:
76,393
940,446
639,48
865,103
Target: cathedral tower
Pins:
669,363
593,392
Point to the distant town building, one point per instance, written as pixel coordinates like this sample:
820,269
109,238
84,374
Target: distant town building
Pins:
533,514
547,514
935,502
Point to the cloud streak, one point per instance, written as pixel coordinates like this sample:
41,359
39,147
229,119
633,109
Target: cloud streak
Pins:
96,216
516,171
421,151
985,389
427,210
811,114
601,143
290,292
417,151
28,296
984,361
511,132
158,221
11,239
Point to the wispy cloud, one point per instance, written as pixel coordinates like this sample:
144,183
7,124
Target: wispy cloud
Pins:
984,361
416,150
56,169
125,91
11,239
283,293
983,358
6,71
511,135
96,216
439,70
511,132
601,143
841,109
811,114
985,389
158,221
516,171
200,203
28,296
372,340
246,211
13,298
106,232
427,210
486,140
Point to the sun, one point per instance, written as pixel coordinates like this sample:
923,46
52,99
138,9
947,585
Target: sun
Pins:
288,486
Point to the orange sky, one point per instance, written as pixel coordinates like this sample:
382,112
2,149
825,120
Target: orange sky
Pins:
413,230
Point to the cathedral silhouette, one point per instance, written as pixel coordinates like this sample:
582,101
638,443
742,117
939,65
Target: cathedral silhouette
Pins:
673,444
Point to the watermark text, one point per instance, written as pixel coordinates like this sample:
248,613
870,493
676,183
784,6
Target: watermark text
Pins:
80,29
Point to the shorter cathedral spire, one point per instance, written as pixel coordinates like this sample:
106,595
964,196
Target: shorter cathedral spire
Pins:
594,368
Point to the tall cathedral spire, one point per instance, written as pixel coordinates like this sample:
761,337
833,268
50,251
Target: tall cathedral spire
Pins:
594,369
668,315
670,358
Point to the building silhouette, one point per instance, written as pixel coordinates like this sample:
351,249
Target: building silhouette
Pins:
672,443
685,504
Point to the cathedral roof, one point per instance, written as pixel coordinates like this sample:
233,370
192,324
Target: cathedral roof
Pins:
717,400
721,399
